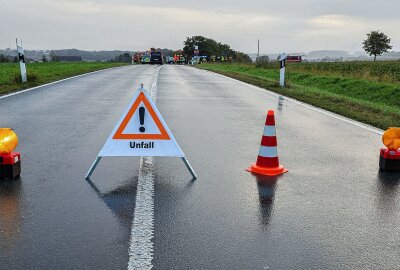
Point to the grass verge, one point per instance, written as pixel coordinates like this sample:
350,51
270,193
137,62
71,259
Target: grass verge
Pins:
370,102
42,73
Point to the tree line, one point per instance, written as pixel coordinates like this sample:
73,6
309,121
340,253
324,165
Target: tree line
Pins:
375,45
212,49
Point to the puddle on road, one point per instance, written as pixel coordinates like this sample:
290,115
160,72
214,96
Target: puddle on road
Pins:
120,200
10,212
266,186
388,185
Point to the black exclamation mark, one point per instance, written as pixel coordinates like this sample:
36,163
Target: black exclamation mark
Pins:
141,117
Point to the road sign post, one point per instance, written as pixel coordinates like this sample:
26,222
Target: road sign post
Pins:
282,63
21,58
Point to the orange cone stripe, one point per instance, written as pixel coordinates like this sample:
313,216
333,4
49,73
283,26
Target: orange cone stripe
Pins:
269,141
270,121
267,161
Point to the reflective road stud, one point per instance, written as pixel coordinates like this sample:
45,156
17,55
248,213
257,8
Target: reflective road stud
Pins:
267,160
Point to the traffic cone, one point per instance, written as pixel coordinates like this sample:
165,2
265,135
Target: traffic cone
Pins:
267,160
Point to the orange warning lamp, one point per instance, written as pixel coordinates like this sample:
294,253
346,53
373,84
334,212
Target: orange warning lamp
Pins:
391,138
390,157
10,161
8,140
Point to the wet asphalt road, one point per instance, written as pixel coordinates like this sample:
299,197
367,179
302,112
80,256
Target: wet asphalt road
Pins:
52,218
332,210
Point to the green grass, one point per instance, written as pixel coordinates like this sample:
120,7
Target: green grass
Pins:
41,73
380,71
363,99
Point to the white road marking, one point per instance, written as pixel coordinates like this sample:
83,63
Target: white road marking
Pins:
308,106
142,232
47,84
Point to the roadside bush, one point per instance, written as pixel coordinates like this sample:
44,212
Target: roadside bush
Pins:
31,77
265,63
262,60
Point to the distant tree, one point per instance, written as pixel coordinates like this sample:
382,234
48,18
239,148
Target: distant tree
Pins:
166,52
242,57
3,59
262,61
54,57
44,59
212,49
207,46
177,52
262,58
123,57
16,60
376,43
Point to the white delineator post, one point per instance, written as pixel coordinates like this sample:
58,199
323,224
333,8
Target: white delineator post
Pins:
21,59
282,62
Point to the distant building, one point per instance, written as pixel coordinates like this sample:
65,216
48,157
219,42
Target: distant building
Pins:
70,58
294,58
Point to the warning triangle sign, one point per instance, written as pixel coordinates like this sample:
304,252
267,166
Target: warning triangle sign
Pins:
133,124
141,131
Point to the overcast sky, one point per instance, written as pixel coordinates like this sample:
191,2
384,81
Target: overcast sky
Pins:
284,25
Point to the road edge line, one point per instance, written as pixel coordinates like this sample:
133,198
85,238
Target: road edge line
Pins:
311,107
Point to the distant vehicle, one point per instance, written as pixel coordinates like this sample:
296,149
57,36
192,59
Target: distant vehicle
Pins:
179,59
170,60
145,59
136,58
292,58
156,58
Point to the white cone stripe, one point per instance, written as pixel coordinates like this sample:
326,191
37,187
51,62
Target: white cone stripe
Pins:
269,131
268,151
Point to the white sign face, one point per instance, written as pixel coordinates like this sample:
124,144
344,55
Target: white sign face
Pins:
141,132
22,66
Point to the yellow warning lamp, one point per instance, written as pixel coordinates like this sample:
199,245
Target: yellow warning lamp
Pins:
391,138
8,140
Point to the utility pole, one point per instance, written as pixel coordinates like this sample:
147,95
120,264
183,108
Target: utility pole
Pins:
258,49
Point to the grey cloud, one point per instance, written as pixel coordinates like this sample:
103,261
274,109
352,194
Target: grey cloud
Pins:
300,25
